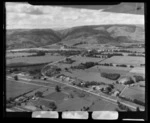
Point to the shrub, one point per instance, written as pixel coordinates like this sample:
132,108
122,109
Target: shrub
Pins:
52,105
139,102
16,77
112,76
39,94
57,88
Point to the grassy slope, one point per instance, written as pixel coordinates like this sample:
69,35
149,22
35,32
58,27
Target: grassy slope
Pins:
99,34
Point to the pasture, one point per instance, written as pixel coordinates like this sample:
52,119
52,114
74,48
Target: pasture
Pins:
103,106
128,60
34,60
135,93
14,89
17,54
138,70
80,59
136,49
87,76
57,97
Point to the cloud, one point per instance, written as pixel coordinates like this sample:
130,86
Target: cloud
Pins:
27,16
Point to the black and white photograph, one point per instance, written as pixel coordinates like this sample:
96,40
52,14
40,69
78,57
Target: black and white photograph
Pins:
80,58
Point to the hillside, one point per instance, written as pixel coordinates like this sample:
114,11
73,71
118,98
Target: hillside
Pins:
21,38
103,34
97,34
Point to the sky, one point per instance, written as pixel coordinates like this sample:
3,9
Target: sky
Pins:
24,15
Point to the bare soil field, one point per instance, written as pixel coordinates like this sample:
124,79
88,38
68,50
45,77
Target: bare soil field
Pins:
14,89
34,60
129,60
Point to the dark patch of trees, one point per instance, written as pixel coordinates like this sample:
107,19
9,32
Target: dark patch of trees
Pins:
122,65
79,43
39,94
123,107
138,78
58,88
139,102
112,76
16,77
85,65
52,106
87,84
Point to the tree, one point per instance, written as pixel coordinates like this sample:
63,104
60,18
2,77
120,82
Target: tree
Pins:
86,108
10,100
66,69
71,96
16,77
52,105
45,78
39,94
58,88
137,109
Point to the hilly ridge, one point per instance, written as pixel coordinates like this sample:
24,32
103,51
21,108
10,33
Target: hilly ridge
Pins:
94,34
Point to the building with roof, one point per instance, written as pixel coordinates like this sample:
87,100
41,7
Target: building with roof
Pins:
126,80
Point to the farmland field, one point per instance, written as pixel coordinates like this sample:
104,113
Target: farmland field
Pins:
138,70
14,89
80,59
109,69
87,76
34,60
18,54
135,93
58,97
136,49
103,106
129,60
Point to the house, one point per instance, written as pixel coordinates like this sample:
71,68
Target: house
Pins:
126,80
116,93
67,78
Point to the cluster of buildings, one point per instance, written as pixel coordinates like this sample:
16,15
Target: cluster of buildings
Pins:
65,78
125,81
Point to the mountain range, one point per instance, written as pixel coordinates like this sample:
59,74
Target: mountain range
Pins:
93,34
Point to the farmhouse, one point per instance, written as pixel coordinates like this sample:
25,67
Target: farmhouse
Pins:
116,93
126,80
